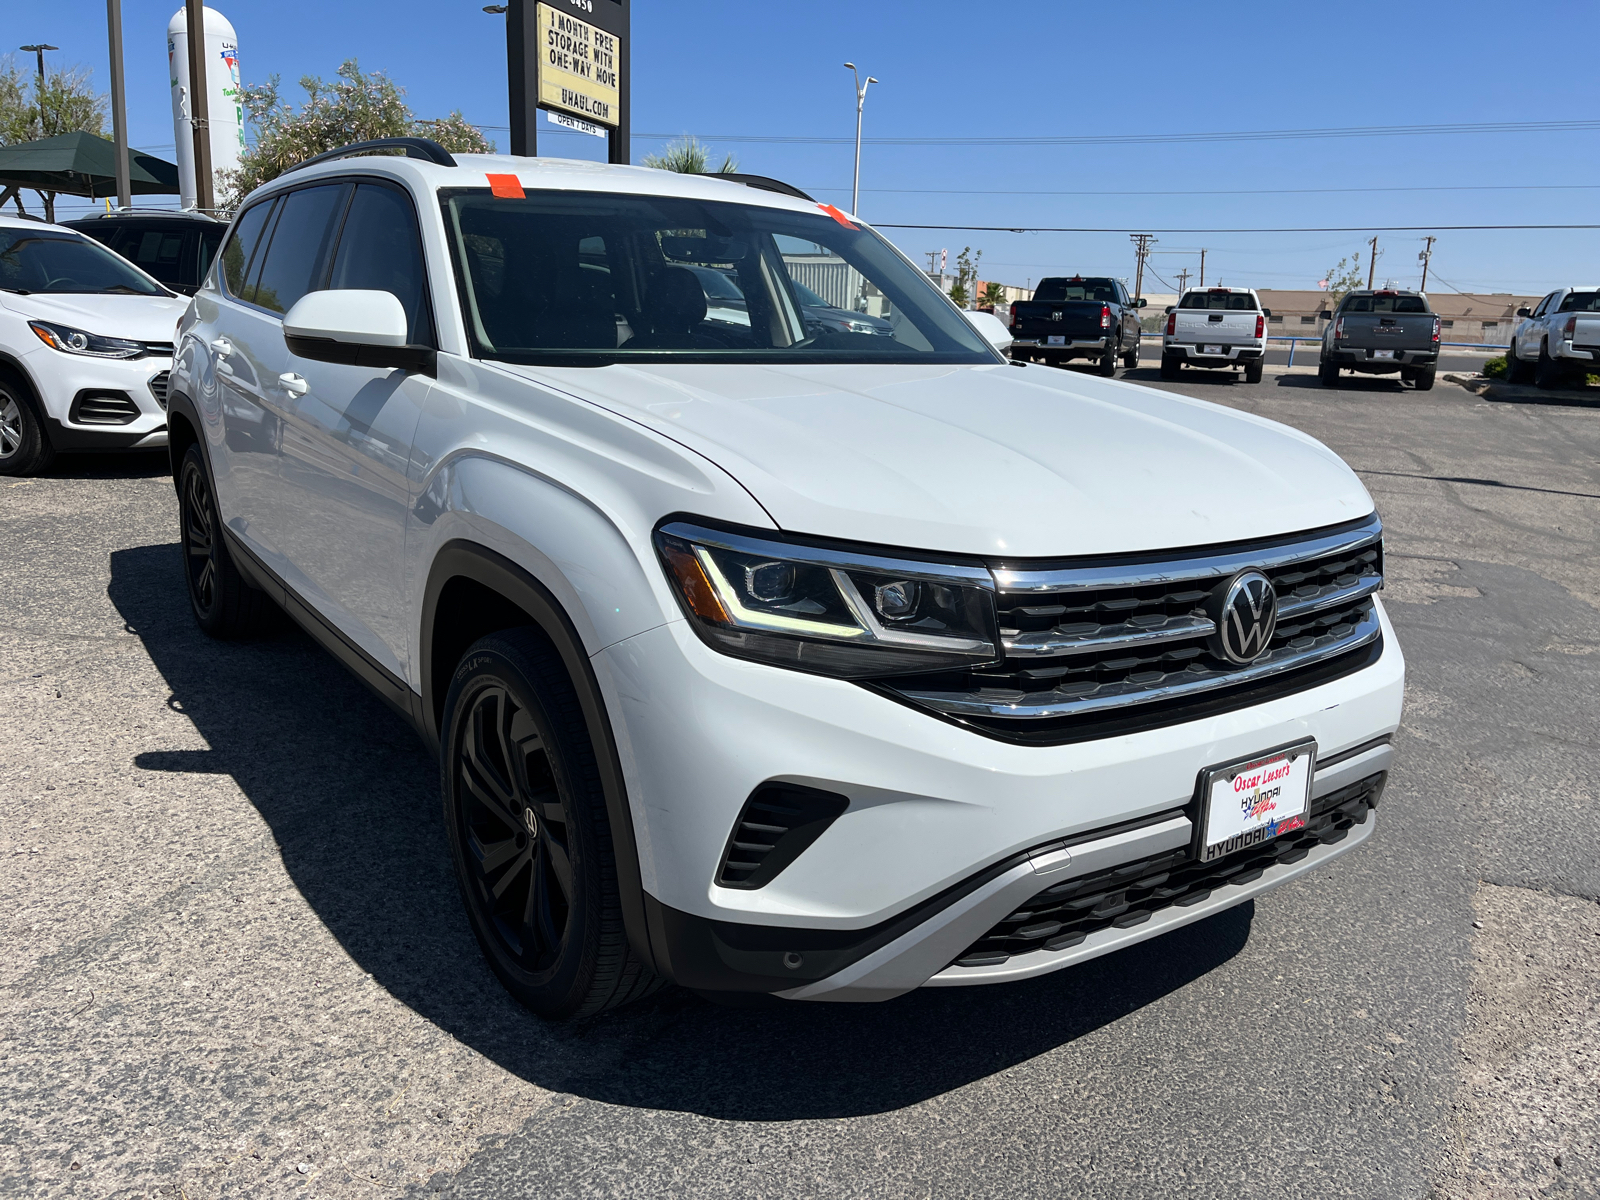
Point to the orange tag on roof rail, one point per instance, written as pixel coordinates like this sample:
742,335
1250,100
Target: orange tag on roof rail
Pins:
837,215
507,187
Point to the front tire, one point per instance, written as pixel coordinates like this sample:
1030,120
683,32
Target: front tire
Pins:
1517,371
25,448
526,815
224,605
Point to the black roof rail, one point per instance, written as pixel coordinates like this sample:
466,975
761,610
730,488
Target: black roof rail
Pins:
414,147
759,181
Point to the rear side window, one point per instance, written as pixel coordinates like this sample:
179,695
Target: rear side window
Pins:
297,253
1581,302
242,246
1220,301
158,251
380,249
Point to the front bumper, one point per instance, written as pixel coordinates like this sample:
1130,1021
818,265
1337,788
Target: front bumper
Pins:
928,847
1193,353
63,383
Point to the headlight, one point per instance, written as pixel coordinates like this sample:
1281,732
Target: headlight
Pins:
862,327
76,341
828,611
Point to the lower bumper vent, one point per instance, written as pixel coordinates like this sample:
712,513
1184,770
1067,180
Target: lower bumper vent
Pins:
774,828
1132,893
103,408
158,388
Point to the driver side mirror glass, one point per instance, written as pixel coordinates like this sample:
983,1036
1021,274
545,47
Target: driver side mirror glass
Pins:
1523,312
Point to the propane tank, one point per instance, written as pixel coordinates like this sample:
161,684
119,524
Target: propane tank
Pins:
225,99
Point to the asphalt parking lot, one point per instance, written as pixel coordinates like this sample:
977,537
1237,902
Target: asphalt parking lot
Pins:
236,964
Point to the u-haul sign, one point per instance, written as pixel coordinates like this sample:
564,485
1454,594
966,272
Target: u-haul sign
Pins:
579,67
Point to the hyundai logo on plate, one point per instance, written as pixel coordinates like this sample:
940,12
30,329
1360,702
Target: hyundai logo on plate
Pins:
1246,616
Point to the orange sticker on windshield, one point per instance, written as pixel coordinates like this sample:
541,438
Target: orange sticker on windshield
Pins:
836,215
507,187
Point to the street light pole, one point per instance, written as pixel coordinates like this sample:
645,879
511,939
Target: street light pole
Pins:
39,50
119,105
861,101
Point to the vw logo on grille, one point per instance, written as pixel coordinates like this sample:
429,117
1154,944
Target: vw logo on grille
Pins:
1246,612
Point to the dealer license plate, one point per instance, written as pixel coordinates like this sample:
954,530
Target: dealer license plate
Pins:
1211,350
1251,802
1055,339
1383,354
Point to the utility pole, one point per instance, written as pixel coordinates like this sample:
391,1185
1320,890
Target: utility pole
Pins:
1183,281
200,105
861,101
1202,266
1141,243
1372,265
1426,256
119,104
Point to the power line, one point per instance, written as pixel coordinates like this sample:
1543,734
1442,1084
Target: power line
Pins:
1143,139
1148,229
1495,187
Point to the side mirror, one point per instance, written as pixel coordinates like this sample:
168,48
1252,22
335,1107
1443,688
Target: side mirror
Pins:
1267,312
1523,312
1171,308
1141,302
991,328
356,328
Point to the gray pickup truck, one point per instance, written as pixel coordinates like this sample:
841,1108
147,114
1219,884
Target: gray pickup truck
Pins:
1380,333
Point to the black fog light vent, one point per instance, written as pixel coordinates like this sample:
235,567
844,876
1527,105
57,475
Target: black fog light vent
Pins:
103,408
776,825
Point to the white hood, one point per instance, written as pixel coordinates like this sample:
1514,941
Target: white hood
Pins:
109,314
998,461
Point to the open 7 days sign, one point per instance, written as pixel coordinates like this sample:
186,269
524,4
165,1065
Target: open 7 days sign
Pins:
579,67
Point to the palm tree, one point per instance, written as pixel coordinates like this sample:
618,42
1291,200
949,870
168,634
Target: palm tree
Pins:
688,157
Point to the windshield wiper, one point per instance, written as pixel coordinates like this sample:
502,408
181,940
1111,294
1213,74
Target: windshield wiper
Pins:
17,291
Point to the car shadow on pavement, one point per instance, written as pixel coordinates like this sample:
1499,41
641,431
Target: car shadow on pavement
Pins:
1511,393
142,464
1347,383
350,795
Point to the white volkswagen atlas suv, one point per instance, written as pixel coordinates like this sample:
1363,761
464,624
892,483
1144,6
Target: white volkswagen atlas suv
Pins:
85,348
763,657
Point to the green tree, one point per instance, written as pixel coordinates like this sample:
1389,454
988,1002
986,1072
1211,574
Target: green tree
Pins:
994,295
1344,277
67,104
958,294
353,107
688,157
966,275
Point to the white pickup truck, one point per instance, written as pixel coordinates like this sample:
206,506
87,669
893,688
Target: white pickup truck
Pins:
1216,327
1559,339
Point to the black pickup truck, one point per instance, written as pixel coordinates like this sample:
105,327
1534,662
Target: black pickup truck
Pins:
1379,333
1080,317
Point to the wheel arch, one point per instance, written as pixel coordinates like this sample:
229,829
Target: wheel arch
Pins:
473,591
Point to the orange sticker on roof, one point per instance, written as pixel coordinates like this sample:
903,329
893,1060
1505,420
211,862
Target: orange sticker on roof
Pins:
508,187
837,215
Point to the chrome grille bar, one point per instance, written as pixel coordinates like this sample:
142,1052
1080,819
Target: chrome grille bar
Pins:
1123,694
1051,643
1181,570
1329,597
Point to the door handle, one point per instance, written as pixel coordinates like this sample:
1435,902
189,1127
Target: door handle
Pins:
222,346
293,384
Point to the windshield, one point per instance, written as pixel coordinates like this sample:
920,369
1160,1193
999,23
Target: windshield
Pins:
1581,302
594,278
1383,304
1225,301
51,260
1053,291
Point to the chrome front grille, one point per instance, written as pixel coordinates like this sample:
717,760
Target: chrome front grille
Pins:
158,388
1108,640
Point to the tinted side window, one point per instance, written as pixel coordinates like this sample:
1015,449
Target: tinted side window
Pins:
158,251
242,245
381,250
298,250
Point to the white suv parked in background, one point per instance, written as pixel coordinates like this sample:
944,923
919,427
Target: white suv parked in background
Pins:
85,348
760,656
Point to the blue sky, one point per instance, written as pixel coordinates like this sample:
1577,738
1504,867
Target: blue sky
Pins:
975,70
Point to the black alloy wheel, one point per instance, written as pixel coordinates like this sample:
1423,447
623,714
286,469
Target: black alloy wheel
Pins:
525,812
224,605
24,448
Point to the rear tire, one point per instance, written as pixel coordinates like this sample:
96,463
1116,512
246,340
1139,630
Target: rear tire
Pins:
1517,371
224,605
1547,372
1171,368
1252,370
526,815
1425,377
1328,374
1130,360
1108,362
25,448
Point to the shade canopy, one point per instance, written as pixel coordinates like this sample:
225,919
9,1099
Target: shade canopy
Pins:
81,164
